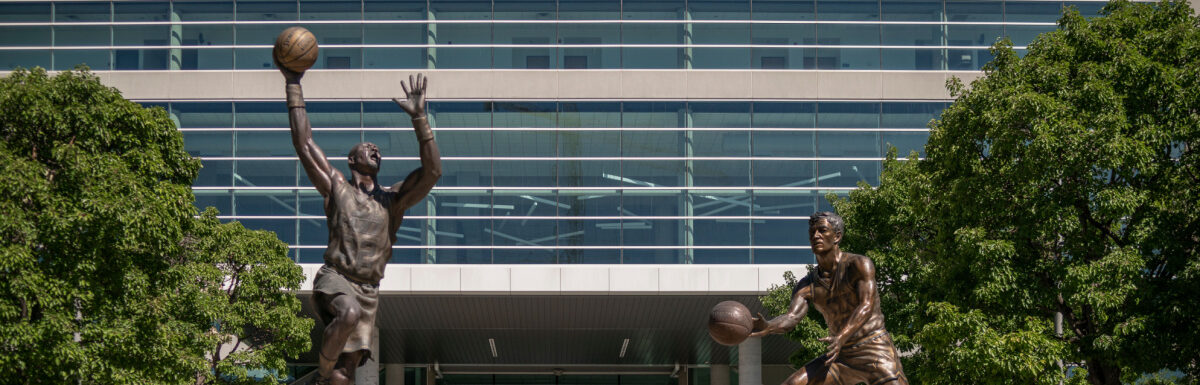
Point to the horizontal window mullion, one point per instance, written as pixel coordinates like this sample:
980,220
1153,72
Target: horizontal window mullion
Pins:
614,21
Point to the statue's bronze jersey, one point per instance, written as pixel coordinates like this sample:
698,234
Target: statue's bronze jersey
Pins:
836,297
361,231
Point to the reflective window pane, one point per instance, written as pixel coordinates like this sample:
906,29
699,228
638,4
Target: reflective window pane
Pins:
904,142
394,9
784,10
909,115
784,173
848,173
202,115
261,114
266,143
653,10
25,12
330,10
77,35
912,58
974,10
264,173
141,11
853,10
22,36
853,144
589,10
94,11
208,143
203,10
525,9
848,115
912,10
1032,11
96,59
142,35
264,10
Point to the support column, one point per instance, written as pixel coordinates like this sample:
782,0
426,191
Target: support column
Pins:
689,225
750,362
175,60
393,374
368,374
718,375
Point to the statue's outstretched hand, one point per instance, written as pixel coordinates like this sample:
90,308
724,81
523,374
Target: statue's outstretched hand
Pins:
414,96
288,75
761,326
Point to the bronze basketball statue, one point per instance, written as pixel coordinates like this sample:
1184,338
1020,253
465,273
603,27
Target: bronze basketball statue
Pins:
363,218
841,287
730,323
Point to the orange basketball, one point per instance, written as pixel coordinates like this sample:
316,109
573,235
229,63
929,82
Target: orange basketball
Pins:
730,323
296,49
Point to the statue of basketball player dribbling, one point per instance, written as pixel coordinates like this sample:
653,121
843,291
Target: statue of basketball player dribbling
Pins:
363,218
842,288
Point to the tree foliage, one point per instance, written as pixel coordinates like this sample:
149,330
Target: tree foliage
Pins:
106,274
1063,181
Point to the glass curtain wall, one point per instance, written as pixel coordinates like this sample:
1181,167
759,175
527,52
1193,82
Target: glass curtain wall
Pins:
525,34
565,182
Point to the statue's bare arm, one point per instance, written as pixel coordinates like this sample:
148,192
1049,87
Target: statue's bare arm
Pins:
420,181
787,321
319,171
864,283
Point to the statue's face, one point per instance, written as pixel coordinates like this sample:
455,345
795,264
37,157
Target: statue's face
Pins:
365,158
823,237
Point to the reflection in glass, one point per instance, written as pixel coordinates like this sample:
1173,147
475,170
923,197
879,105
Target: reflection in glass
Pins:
259,115
848,115
203,10
1032,11
912,10
141,11
904,142
854,10
394,9
330,10
92,11
265,202
266,10
25,12
849,144
267,143
264,173
589,9
847,173
22,36
202,115
784,143
208,143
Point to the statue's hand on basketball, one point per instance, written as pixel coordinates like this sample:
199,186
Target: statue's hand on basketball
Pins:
289,76
414,96
762,327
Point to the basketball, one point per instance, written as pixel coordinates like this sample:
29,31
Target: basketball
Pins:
730,323
296,49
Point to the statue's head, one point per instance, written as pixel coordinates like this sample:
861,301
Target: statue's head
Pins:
364,158
825,231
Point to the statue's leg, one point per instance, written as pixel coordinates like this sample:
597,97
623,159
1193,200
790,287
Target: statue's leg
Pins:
800,377
347,365
346,312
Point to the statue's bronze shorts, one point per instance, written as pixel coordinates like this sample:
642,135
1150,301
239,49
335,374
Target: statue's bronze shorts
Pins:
872,360
328,285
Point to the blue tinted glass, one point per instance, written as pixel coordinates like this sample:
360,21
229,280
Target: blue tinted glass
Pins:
24,12
460,58
408,58
205,59
142,35
587,256
651,58
589,57
524,173
973,35
720,114
591,203
719,143
785,203
285,229
589,143
847,115
784,10
140,59
192,10
25,36
589,173
783,58
539,255
848,58
261,114
652,33
654,256
726,173
203,115
854,144
653,10
524,143
264,10
524,114
330,10
720,203
967,59
848,173
466,173
912,34
312,203
1027,11
525,10
394,10
336,144
974,10
786,173
208,143
335,114
524,35
461,9
339,58
784,34
1086,8
267,143
265,202
855,10
912,10
258,34
204,34
336,34
904,142
784,143
652,143
589,9
651,232
218,199
720,58
589,114
652,173
96,11
385,114
96,59
912,58
722,256
76,35
784,115
719,9
264,173
141,11
394,33
654,114
252,58
908,114
215,173
848,34
1022,35
722,232
460,114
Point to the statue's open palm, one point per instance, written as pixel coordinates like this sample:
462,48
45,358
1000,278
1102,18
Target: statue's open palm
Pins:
414,96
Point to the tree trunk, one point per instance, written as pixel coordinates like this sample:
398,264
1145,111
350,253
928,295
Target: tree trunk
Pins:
1103,373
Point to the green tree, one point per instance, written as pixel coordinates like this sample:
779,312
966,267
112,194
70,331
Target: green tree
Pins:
106,274
1064,181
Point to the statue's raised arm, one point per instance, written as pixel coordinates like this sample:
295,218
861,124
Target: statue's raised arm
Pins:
319,171
420,181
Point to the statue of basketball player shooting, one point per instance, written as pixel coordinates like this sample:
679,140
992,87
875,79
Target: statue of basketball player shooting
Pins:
363,218
842,288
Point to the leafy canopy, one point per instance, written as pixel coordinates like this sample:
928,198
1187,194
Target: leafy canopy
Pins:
106,274
1063,181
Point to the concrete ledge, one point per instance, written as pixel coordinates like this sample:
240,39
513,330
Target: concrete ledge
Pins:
545,84
576,279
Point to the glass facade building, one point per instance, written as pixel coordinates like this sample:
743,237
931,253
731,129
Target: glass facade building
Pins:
583,180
